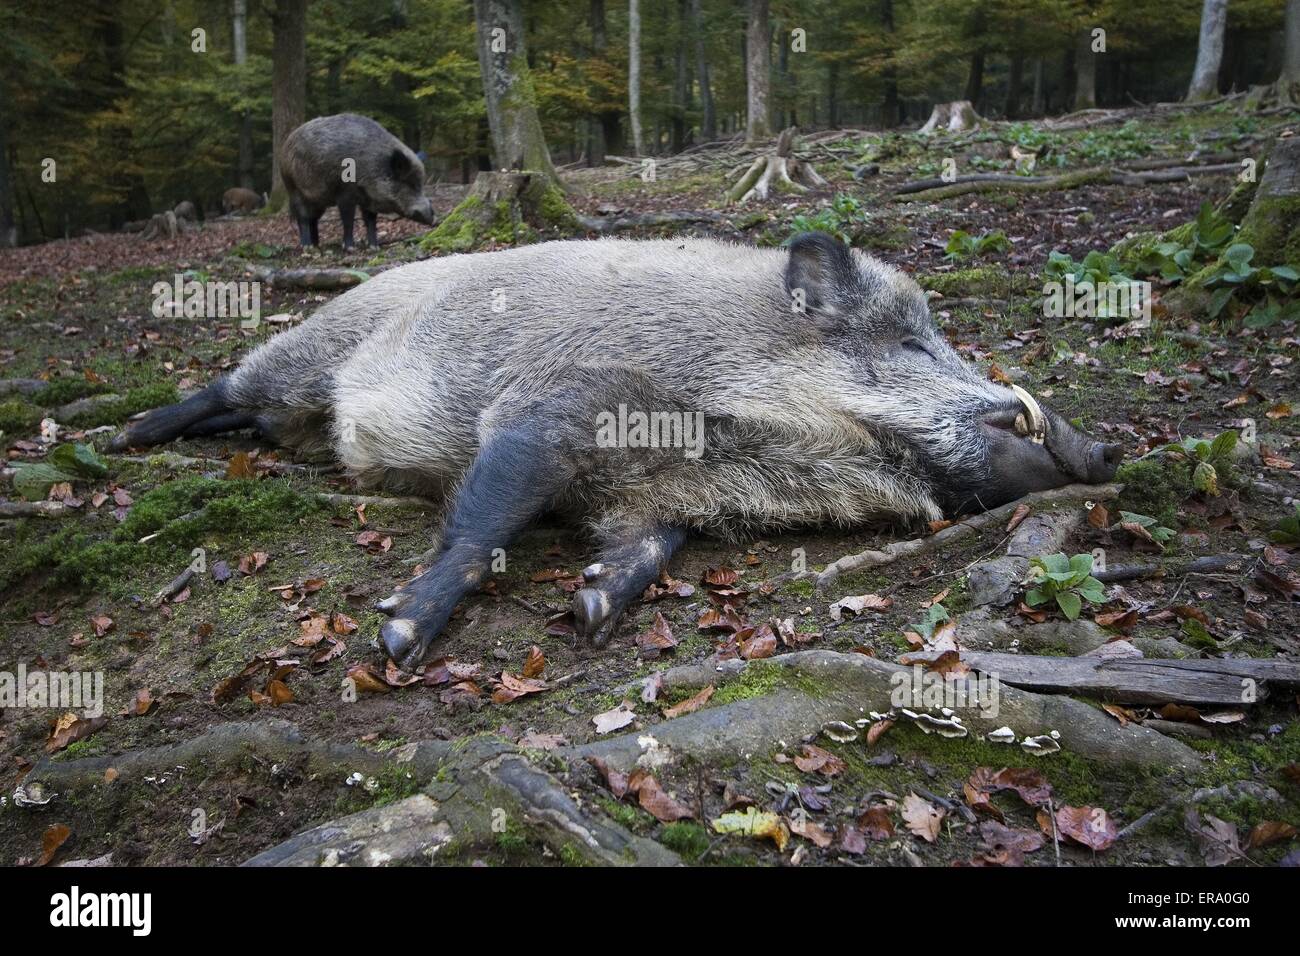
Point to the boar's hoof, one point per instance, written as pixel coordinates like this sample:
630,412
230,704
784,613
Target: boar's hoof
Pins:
391,604
403,644
594,615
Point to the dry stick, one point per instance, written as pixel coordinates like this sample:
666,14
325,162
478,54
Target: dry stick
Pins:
963,529
1205,565
32,509
174,587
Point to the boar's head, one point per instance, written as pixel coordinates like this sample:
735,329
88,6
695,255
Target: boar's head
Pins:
402,190
976,444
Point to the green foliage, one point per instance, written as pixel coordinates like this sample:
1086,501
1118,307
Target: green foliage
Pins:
1206,458
962,245
935,615
1268,286
1066,580
18,418
1159,533
1096,268
33,479
1288,529
841,219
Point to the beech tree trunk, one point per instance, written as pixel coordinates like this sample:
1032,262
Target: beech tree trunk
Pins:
1290,80
239,37
708,117
1085,72
758,72
1209,50
288,81
517,139
8,224
634,73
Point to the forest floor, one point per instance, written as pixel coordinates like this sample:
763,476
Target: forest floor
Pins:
281,611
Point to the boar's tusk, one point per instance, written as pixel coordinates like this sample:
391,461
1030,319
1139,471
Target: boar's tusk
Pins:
1037,421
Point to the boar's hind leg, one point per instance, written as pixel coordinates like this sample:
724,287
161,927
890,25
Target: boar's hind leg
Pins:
517,473
371,220
628,564
184,418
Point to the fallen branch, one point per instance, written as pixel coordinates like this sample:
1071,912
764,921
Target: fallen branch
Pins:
32,509
1210,564
324,279
963,529
1138,680
932,191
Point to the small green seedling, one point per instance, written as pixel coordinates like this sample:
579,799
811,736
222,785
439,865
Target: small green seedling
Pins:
962,244
1205,456
1066,580
1144,526
1288,529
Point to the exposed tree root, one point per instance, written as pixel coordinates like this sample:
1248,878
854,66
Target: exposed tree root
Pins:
963,529
978,629
307,278
932,190
996,581
778,169
650,220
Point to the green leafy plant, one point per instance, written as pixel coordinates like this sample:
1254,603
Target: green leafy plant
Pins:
1288,529
1236,273
1066,580
1173,261
841,219
962,244
1150,526
1207,458
34,479
935,615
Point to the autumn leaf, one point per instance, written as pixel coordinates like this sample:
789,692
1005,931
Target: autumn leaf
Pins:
803,825
250,564
922,817
756,823
655,800
860,603
69,728
102,624
816,760
658,638
535,663
374,542
53,838
690,705
241,466
512,687
610,720
1090,826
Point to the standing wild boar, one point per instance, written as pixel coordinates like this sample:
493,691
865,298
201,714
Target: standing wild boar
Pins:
349,161
239,199
649,388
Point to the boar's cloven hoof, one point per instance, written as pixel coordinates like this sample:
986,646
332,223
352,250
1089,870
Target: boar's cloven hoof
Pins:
594,616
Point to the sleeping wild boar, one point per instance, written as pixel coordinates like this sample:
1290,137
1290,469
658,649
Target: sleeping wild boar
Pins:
350,161
239,199
647,388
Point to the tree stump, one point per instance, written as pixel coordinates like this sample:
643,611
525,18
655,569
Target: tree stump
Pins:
1272,223
956,117
779,168
504,208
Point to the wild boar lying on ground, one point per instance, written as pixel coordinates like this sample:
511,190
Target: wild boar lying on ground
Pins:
349,161
649,388
239,199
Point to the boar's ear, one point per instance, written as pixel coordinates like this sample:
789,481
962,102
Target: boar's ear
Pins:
821,274
400,164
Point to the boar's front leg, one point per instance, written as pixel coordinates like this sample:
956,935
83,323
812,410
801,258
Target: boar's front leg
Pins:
371,219
348,214
630,561
517,473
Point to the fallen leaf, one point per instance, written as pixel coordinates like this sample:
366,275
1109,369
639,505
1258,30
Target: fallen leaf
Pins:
1091,826
610,720
860,603
658,638
69,728
922,818
816,760
535,663
53,838
759,824
690,705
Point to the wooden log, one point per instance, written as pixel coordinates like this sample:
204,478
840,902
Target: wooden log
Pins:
1138,680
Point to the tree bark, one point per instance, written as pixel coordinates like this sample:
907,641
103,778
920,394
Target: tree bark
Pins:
1038,105
1085,72
8,222
517,139
239,37
608,133
708,117
889,112
1011,110
681,79
758,72
634,73
288,81
1209,50
1290,81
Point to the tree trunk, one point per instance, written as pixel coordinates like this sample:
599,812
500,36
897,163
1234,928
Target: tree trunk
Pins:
1271,225
607,134
517,139
1289,85
758,72
889,113
288,82
708,118
634,73
1011,110
1085,72
681,80
8,223
1209,50
239,35
1039,105
975,79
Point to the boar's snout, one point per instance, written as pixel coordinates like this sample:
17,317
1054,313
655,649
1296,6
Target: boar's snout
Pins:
1103,462
422,211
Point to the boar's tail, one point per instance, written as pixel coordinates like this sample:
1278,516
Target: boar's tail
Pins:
207,413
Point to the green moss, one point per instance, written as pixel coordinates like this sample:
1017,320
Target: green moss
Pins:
1155,487
978,281
18,418
137,400
1272,228
60,391
686,838
181,514
757,679
624,814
